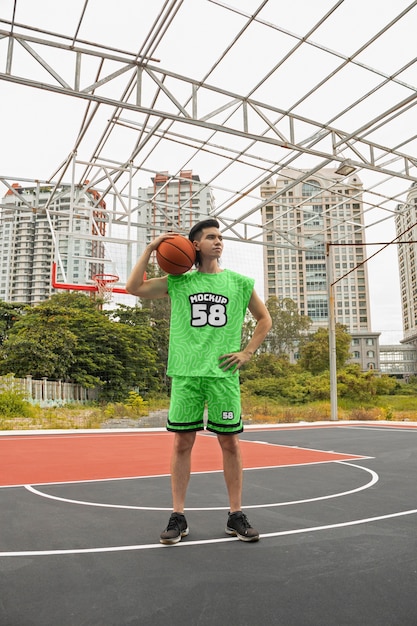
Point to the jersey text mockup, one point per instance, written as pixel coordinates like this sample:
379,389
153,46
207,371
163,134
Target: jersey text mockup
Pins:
207,313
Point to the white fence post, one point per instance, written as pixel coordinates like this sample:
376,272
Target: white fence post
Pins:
48,392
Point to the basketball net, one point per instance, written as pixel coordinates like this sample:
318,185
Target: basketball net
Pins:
104,284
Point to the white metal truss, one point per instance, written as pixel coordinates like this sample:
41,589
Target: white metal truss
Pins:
281,128
253,104
236,129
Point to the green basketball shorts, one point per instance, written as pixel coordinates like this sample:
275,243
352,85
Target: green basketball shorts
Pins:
191,394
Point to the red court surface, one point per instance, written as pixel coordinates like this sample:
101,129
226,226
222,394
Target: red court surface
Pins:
48,458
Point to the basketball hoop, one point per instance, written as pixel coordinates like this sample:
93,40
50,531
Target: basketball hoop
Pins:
104,284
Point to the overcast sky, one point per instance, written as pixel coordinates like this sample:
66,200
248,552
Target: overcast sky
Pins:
38,129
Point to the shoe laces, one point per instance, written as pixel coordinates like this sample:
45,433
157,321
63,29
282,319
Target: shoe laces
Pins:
173,523
243,520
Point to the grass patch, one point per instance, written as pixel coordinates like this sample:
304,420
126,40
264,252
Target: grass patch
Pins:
256,410
399,403
76,416
67,417
396,408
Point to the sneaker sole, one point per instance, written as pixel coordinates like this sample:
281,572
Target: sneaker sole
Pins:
232,531
174,540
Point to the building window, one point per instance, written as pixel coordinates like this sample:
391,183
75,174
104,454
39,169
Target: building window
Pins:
317,308
310,187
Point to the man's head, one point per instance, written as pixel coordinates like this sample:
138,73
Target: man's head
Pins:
196,233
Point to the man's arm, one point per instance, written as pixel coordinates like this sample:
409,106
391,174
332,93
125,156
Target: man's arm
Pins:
136,283
263,325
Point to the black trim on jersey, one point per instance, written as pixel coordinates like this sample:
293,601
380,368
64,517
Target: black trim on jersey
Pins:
225,432
225,429
174,429
184,426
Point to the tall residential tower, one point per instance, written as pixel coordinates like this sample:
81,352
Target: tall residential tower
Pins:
406,227
299,221
32,223
173,203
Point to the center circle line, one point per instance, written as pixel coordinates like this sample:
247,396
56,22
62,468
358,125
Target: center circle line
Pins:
374,479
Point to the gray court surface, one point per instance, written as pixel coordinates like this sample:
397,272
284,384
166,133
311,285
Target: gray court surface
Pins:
338,543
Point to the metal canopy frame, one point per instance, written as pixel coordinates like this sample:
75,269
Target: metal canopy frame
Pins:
159,106
306,86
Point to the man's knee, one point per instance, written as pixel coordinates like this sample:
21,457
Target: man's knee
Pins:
229,443
183,442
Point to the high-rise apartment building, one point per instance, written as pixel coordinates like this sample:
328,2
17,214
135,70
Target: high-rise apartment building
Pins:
300,219
173,203
27,233
406,227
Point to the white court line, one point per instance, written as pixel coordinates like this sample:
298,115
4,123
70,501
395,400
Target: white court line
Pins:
357,457
185,544
385,429
80,434
91,480
373,481
219,471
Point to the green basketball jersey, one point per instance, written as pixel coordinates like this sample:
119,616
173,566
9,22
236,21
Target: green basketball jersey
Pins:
207,313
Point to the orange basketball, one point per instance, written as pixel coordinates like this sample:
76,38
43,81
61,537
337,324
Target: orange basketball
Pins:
175,255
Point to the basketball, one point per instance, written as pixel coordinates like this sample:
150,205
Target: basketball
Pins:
175,255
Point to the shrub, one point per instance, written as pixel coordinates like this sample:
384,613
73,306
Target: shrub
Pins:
137,402
134,407
368,414
13,404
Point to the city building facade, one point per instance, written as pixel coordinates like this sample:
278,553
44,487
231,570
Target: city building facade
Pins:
172,203
366,351
31,222
399,361
299,222
406,228
307,226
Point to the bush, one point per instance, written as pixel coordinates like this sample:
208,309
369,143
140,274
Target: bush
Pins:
13,404
369,414
135,401
134,407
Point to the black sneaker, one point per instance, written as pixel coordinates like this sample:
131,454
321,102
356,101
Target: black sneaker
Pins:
176,529
239,525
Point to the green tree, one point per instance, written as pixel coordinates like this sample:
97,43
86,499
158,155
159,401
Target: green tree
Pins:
288,326
67,338
314,350
159,311
40,350
265,365
151,332
247,330
10,313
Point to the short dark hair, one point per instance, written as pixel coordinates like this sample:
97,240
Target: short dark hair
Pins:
196,231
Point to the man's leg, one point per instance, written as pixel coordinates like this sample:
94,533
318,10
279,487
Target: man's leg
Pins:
237,522
181,468
232,469
180,476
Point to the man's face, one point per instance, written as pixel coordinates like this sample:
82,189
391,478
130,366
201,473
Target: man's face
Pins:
210,244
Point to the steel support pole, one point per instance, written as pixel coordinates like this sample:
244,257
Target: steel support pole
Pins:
332,335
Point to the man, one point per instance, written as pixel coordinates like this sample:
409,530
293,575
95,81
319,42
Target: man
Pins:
208,307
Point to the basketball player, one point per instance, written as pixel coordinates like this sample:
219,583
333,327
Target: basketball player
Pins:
208,308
